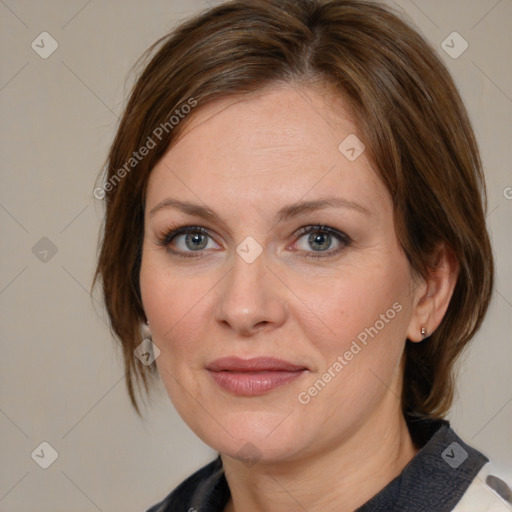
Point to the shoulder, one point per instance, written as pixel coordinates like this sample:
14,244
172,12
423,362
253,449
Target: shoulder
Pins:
487,492
194,491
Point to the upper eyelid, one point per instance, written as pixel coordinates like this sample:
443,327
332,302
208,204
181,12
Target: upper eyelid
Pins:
341,236
183,230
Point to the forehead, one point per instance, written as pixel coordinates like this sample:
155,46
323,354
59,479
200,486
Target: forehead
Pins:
283,140
275,116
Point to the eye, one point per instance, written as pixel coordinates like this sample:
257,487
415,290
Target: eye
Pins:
191,241
321,240
187,240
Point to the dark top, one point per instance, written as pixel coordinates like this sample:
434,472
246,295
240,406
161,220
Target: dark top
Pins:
434,480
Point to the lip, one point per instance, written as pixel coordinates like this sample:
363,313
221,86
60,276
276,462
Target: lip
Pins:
255,364
256,376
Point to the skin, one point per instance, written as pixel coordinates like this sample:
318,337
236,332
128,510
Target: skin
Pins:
245,158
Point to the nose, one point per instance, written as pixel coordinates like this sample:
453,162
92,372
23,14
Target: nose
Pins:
250,298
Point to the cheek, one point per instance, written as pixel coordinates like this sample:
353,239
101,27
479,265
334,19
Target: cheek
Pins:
359,364
367,314
174,306
171,318
357,300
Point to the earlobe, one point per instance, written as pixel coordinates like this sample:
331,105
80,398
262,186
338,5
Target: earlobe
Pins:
145,330
434,295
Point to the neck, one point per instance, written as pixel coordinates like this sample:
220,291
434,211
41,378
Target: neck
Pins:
347,475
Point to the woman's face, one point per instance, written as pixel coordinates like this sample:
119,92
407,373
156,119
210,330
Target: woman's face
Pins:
256,277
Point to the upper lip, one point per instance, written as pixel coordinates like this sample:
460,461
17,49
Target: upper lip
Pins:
256,364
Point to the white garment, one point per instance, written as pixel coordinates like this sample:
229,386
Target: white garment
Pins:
480,497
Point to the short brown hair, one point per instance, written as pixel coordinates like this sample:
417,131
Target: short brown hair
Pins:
410,116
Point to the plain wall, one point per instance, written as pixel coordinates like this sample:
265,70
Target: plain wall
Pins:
61,377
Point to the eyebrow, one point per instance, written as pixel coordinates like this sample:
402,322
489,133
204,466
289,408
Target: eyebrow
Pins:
285,213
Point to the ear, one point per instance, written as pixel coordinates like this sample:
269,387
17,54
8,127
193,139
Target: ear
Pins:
433,294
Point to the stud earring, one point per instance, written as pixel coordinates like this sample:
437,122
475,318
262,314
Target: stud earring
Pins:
146,332
423,332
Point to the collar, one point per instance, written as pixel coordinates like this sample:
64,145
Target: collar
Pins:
436,478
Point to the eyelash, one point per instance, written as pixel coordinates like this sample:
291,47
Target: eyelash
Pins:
167,237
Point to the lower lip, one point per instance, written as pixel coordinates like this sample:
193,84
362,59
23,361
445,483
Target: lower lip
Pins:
253,383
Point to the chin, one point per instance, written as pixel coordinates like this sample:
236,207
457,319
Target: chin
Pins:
255,436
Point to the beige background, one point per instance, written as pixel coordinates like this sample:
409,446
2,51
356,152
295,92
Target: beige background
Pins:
60,375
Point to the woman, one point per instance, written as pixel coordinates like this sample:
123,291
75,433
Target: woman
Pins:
296,195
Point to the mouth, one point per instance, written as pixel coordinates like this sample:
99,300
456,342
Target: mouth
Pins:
256,376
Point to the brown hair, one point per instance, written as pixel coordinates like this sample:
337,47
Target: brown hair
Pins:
409,114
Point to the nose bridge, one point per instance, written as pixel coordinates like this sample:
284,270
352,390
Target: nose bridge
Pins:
250,297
